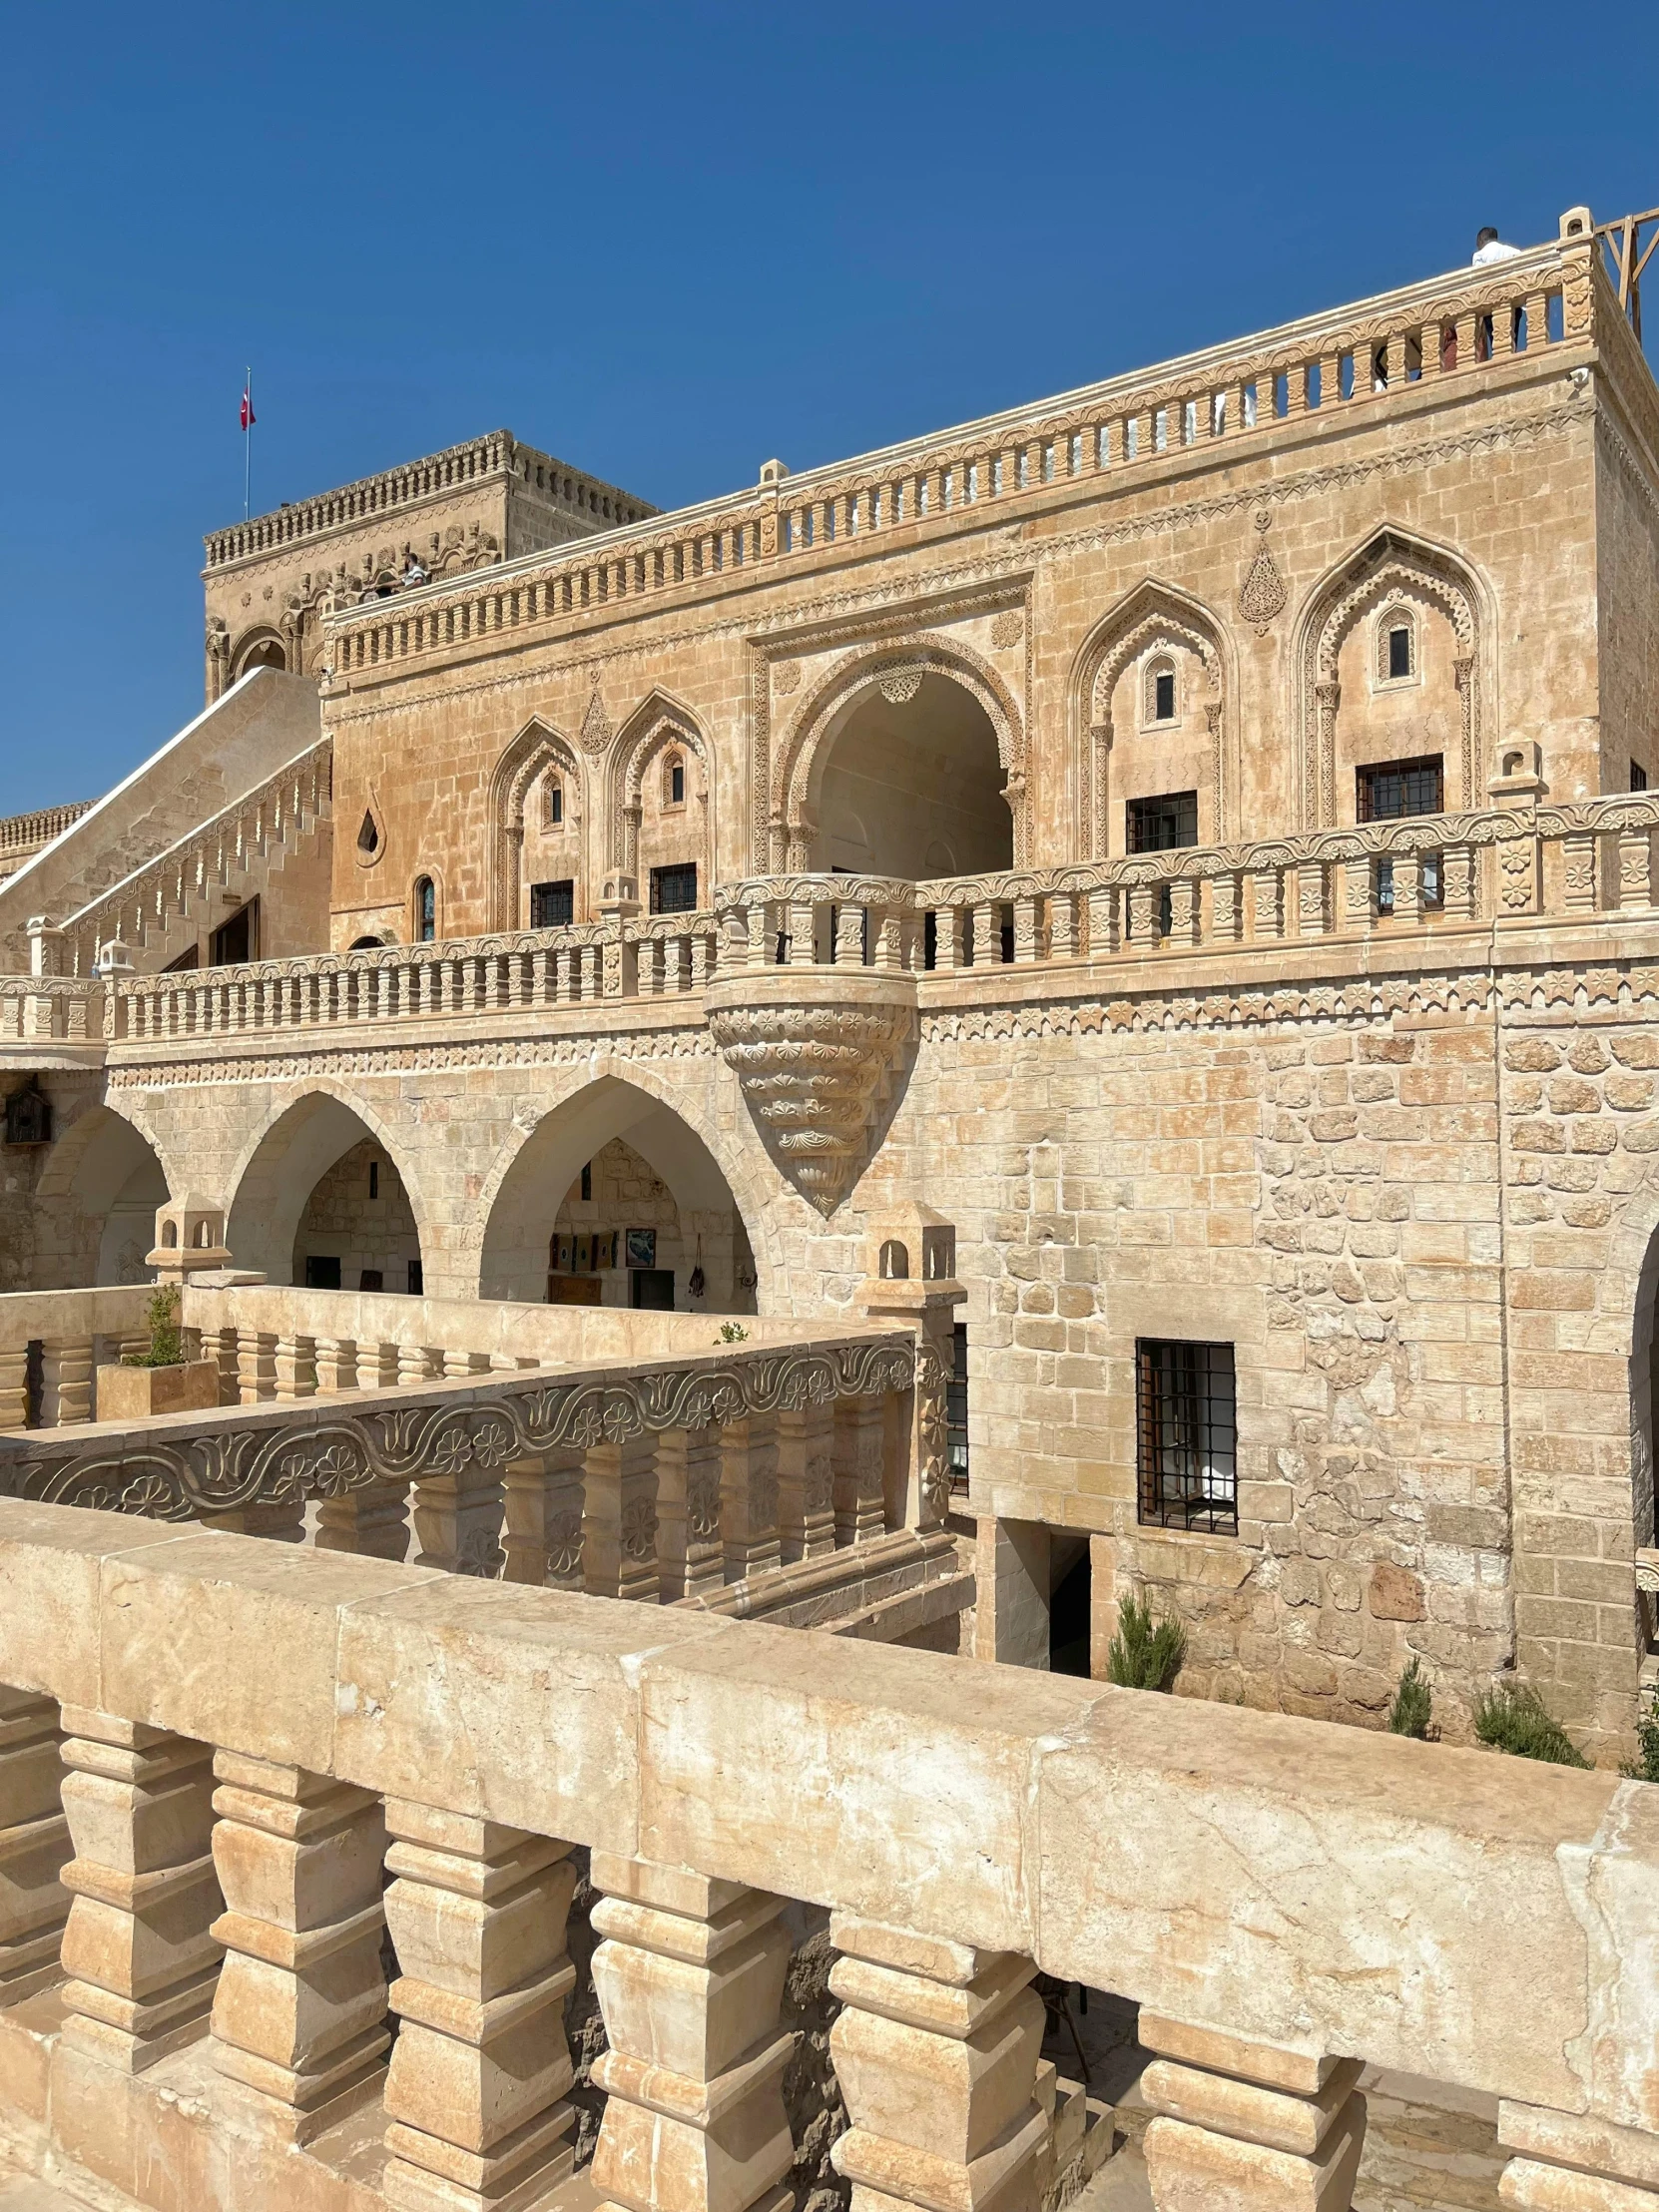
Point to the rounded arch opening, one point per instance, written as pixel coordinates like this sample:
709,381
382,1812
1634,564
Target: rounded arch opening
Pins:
262,652
322,1201
909,782
622,1172
96,1205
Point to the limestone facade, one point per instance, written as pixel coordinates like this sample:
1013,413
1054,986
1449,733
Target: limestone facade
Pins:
1186,1023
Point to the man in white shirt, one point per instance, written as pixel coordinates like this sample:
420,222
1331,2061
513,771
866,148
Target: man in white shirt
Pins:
1488,247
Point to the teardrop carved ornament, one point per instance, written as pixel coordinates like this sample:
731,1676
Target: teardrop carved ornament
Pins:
1262,595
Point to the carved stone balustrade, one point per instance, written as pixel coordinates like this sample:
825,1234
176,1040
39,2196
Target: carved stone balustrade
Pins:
1415,1907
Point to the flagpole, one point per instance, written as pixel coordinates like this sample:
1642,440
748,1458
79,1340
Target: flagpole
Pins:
247,448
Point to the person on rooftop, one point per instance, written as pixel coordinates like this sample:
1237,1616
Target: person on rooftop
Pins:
1488,247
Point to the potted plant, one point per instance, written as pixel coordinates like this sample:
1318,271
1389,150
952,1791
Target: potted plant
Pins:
159,1379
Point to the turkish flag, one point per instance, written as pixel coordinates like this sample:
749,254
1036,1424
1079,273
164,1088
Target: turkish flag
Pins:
247,416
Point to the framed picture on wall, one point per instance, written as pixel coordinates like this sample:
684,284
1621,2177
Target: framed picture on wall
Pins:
582,1258
642,1248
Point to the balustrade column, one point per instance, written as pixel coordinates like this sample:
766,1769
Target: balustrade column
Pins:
1460,880
1248,2125
1226,908
1578,873
65,1380
690,1554
371,1523
418,1364
1104,923
13,1387
222,1346
806,1482
477,2112
936,2049
1267,901
299,2016
33,1844
1027,929
748,1495
619,1521
1143,915
378,1366
1062,925
1635,862
951,937
690,1976
1312,898
336,1364
139,1950
294,1363
1408,886
1569,2162
1360,892
255,1365
859,1457
987,935
457,1520
542,1519
1184,912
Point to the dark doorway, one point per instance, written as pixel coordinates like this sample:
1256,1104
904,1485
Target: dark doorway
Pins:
1068,1619
238,939
654,1290
321,1272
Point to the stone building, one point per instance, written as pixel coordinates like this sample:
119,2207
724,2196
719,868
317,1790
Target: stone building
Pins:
1187,836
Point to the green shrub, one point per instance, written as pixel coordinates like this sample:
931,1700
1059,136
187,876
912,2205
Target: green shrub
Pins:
1413,1705
1514,1718
167,1344
732,1333
1145,1654
1645,1765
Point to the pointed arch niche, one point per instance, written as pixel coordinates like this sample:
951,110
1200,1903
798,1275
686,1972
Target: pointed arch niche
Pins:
656,836
1352,713
539,752
929,736
1157,650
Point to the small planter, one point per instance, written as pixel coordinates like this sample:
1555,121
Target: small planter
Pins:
136,1393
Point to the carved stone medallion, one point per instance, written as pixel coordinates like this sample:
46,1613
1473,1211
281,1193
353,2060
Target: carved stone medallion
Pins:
1262,594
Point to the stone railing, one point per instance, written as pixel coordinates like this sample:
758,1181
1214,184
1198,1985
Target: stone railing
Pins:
667,1477
1370,355
1391,880
51,1343
28,832
264,820
216,1962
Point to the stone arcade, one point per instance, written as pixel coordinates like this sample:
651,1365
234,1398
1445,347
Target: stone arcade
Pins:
1061,1010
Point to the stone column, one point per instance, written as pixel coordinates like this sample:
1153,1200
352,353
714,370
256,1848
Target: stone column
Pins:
690,1976
1248,2125
33,1844
417,1365
139,1948
806,1478
691,1556
475,2095
299,2016
457,1522
13,1387
536,1492
255,1365
372,1522
64,1382
336,1365
858,1443
619,1524
936,2049
1568,2163
294,1364
748,1495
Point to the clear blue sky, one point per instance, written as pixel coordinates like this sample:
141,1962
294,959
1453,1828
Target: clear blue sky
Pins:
668,242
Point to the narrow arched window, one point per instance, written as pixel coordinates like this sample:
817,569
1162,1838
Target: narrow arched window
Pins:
555,803
426,911
674,781
1396,647
1161,700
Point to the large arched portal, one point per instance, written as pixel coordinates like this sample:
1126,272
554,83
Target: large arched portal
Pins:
911,784
95,1205
613,1200
322,1201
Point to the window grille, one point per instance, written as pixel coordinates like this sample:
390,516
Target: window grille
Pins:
1186,1420
674,890
1160,824
955,1411
1396,789
426,911
552,904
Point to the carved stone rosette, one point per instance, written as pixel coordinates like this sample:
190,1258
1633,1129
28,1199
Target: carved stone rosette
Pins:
815,1051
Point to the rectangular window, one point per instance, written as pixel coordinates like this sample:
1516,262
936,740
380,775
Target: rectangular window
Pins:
1400,653
1638,776
955,1411
1163,701
552,904
322,1274
417,1281
238,939
1186,1422
372,1279
1397,788
1160,824
373,1178
674,890
587,1181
